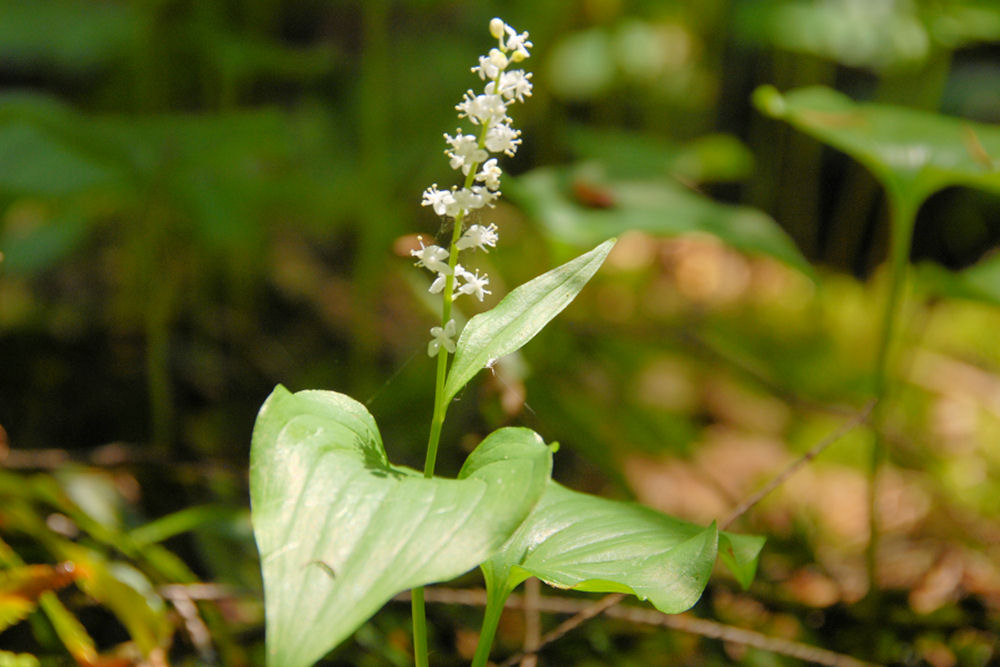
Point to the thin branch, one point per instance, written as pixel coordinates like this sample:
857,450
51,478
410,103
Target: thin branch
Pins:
794,466
583,615
682,623
183,598
532,622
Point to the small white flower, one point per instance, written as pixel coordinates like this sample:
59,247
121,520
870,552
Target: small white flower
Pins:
442,337
498,60
474,284
479,237
489,174
485,109
497,27
518,43
491,65
470,153
438,285
485,194
432,257
485,69
513,85
465,151
502,138
468,199
440,200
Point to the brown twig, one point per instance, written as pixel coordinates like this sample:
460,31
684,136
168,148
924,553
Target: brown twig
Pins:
532,622
183,598
794,466
584,609
585,614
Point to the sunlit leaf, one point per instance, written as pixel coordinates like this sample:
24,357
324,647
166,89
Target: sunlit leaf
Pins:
341,531
30,581
740,553
580,206
14,609
876,35
67,626
521,314
69,629
575,540
581,65
127,593
8,659
913,153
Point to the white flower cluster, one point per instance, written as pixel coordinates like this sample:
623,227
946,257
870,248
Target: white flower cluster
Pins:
470,154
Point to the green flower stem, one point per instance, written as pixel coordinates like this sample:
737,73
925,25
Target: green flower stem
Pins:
417,610
440,405
495,601
903,213
419,627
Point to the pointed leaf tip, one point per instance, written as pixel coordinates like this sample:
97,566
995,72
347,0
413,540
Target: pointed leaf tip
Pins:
519,317
768,100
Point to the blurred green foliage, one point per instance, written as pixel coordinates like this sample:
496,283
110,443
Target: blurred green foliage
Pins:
199,200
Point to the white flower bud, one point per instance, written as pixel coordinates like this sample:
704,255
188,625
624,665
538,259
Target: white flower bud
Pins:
498,60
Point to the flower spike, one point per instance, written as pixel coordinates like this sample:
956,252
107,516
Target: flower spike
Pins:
470,154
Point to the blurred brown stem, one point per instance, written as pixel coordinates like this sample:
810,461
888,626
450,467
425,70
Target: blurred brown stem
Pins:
795,465
608,605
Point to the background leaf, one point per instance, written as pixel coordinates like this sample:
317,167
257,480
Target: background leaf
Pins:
8,659
913,153
22,585
979,282
562,200
341,531
520,316
710,158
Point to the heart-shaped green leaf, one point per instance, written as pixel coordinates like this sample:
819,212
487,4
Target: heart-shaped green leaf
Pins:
575,540
341,531
580,206
520,316
913,153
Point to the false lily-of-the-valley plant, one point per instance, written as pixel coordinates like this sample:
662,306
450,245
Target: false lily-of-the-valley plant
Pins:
341,530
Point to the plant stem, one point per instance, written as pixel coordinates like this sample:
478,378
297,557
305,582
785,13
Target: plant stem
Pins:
491,618
434,437
448,297
441,405
902,213
419,628
437,420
